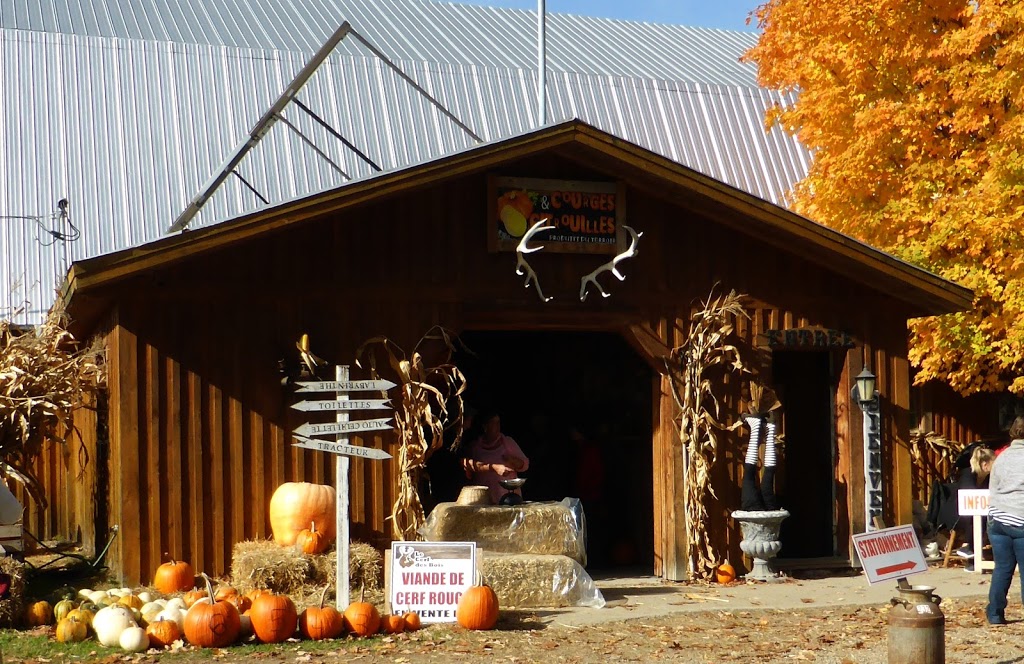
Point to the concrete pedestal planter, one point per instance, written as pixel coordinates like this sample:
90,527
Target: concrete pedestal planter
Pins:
761,540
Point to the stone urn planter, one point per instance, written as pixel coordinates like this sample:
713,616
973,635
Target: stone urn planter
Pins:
761,540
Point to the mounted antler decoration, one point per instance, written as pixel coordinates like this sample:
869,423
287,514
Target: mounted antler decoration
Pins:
522,250
611,266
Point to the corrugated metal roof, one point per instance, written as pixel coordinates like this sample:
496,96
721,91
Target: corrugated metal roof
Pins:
408,30
129,129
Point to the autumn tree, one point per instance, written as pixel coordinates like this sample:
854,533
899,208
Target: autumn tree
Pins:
913,112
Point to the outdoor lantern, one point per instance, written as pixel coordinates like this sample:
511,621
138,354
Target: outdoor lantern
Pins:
865,387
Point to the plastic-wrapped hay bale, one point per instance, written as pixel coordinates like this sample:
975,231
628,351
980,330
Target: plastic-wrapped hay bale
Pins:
547,528
539,581
12,605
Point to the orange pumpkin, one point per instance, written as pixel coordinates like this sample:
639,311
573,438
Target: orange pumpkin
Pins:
226,593
321,622
241,602
311,541
295,505
412,621
39,613
478,608
273,618
163,633
392,624
194,595
362,618
212,624
174,576
725,573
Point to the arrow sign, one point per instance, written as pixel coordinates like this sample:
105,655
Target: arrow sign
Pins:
310,429
900,567
351,404
344,385
340,448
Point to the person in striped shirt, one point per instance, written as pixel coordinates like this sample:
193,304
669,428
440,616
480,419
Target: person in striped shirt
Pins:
1006,522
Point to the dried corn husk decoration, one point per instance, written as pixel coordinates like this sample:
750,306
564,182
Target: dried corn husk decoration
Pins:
706,346
44,377
931,453
429,402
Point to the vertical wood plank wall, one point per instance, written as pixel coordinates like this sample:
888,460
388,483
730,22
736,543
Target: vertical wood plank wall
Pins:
199,420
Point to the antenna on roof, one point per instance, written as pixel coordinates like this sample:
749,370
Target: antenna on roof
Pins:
542,64
274,113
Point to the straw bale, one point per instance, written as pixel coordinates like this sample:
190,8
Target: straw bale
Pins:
547,528
539,581
13,606
265,564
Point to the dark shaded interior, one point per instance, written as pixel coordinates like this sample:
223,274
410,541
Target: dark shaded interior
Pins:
546,384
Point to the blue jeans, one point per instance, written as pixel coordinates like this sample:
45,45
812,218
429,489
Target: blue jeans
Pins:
1008,551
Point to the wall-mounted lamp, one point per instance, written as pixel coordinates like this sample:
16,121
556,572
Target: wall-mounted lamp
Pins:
864,389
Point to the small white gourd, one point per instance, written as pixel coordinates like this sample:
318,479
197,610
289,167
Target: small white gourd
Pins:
109,622
134,639
172,613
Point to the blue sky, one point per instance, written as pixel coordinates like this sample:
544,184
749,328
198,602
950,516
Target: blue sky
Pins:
726,14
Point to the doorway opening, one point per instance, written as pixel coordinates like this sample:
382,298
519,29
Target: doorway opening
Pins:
579,406
805,483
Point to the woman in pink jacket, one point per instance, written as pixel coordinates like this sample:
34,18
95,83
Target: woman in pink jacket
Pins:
493,457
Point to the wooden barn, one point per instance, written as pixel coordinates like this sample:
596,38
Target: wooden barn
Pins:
193,436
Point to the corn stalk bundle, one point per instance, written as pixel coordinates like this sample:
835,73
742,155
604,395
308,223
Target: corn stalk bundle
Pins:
931,452
429,403
690,366
44,377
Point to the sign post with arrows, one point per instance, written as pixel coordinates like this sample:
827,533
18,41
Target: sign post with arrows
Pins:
892,553
340,428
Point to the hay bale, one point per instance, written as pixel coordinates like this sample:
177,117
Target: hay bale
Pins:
539,581
13,606
547,528
265,564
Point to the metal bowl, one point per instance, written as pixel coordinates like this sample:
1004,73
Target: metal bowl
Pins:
513,483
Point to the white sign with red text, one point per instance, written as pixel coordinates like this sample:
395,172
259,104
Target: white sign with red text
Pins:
891,553
428,578
972,502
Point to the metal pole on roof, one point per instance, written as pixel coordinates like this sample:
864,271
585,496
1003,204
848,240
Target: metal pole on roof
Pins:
542,65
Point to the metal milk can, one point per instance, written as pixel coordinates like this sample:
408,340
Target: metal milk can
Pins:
917,627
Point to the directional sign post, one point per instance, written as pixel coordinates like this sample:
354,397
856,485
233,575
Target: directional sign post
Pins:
892,553
340,448
340,428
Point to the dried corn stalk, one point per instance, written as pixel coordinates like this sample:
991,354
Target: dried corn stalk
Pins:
429,403
932,453
44,377
689,366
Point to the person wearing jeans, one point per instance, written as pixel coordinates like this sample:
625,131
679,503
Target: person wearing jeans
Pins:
1006,522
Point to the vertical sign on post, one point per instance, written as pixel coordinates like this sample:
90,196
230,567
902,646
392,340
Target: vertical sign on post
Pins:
341,500
341,386
872,469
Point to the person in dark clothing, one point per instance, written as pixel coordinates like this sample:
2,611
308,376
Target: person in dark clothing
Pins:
974,476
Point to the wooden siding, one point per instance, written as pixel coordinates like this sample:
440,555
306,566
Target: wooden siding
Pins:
199,420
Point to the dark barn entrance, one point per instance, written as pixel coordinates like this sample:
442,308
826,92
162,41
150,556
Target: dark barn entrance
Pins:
579,405
806,480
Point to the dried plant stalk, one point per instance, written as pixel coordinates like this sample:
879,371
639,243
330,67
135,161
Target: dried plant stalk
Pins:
429,403
44,377
930,452
706,348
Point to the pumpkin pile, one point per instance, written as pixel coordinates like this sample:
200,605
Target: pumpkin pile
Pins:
205,617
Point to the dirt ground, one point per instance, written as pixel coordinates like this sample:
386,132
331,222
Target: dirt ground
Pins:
846,635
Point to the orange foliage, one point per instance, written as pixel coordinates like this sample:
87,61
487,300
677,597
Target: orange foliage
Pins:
913,110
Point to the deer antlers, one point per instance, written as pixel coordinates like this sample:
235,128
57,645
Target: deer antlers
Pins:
611,266
522,250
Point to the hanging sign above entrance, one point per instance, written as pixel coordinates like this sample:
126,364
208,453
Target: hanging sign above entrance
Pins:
805,338
587,216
